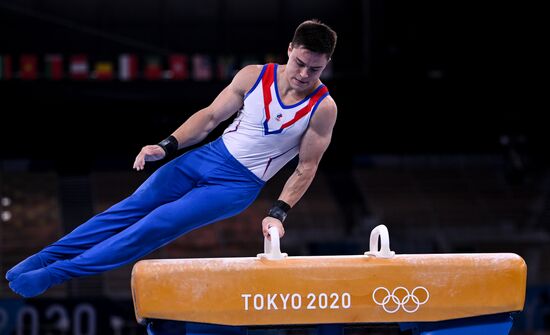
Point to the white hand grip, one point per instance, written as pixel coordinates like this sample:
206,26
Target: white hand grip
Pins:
385,252
272,249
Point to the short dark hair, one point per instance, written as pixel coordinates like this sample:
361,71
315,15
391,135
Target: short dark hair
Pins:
315,36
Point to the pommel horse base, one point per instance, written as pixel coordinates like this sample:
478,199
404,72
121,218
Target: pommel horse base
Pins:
430,294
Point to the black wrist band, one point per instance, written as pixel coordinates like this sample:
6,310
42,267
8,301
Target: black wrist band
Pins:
169,145
279,210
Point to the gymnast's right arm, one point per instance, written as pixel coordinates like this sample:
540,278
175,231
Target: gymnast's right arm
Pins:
200,124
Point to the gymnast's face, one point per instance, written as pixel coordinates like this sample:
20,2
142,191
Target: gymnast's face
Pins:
304,67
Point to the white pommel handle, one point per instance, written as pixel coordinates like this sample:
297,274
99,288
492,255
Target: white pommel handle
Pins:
272,249
384,252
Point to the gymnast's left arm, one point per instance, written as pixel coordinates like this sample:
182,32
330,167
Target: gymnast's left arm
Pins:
313,145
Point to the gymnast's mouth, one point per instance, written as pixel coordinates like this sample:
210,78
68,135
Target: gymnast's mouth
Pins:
300,82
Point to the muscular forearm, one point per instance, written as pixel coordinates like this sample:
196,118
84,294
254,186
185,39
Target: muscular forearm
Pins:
298,183
195,128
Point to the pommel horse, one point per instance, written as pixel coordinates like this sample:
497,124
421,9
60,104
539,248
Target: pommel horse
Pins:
427,294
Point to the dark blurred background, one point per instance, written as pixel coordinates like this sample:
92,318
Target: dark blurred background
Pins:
441,132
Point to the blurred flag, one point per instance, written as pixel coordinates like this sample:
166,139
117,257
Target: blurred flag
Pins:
103,71
127,67
78,67
153,68
227,67
179,67
202,68
248,60
5,67
274,58
28,67
54,66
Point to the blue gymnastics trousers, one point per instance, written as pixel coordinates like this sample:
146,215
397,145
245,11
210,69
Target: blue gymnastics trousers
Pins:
199,187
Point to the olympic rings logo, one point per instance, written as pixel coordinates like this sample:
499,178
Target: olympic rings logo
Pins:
400,297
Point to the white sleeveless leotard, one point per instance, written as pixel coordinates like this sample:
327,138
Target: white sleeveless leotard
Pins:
266,134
